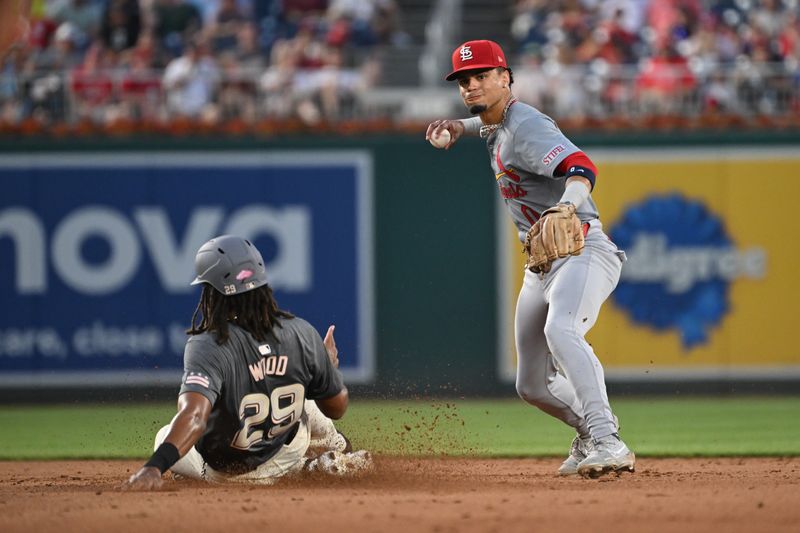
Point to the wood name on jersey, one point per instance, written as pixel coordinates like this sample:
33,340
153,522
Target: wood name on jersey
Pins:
274,365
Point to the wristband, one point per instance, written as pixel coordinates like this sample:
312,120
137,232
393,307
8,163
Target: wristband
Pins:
584,172
164,457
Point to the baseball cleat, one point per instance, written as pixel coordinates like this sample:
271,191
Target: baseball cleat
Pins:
577,452
341,464
348,446
334,441
608,454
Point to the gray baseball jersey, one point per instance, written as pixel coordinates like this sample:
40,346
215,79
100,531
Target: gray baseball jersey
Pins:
554,310
525,152
257,390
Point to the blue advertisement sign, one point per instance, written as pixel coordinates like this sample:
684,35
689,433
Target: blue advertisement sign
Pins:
97,253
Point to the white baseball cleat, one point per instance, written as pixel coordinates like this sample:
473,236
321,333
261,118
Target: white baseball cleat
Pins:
577,452
333,442
608,454
341,463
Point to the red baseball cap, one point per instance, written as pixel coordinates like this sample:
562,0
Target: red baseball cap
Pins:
474,55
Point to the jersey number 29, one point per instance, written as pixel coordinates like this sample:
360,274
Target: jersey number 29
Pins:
254,410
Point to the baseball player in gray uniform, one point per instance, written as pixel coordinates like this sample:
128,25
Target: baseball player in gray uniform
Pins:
259,388
541,174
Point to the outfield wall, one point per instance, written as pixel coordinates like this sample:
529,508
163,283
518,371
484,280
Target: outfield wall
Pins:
708,290
397,243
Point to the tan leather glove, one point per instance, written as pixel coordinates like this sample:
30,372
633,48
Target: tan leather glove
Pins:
558,233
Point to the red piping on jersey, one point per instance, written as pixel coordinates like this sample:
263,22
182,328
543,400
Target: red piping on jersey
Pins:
503,170
577,159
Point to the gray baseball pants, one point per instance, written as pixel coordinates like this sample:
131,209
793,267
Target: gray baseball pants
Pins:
557,370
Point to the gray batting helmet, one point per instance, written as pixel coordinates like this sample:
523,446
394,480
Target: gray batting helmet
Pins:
230,264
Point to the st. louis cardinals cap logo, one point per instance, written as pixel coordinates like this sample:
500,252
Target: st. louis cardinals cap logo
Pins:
474,55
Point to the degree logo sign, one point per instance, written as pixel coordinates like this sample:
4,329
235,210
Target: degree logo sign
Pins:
681,264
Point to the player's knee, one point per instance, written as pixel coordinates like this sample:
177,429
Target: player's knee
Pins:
560,334
531,393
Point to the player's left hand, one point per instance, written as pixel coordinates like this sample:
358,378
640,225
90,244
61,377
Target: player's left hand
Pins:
330,346
558,233
147,478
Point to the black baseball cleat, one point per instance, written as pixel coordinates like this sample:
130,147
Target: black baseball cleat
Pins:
348,446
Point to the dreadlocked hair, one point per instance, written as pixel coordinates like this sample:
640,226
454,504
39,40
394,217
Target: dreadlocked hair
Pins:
255,311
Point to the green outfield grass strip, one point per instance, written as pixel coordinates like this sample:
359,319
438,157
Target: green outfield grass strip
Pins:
670,427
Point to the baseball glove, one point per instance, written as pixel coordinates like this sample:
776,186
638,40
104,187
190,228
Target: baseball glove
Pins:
558,233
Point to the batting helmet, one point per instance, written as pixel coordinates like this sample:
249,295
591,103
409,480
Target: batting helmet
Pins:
230,264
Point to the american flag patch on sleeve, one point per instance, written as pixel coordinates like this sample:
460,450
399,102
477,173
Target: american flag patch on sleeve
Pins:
196,378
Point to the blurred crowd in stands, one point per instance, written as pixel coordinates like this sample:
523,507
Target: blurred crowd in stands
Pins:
206,61
247,64
621,59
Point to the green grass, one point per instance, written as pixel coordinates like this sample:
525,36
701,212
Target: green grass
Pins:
745,426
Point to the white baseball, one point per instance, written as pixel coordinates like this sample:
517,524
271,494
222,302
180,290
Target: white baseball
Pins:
441,140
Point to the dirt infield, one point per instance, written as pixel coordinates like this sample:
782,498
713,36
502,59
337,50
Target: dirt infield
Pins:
409,495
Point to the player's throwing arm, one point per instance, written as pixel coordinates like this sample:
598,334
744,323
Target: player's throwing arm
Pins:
545,182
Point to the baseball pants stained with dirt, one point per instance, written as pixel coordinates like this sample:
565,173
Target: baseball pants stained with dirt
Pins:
314,429
557,370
